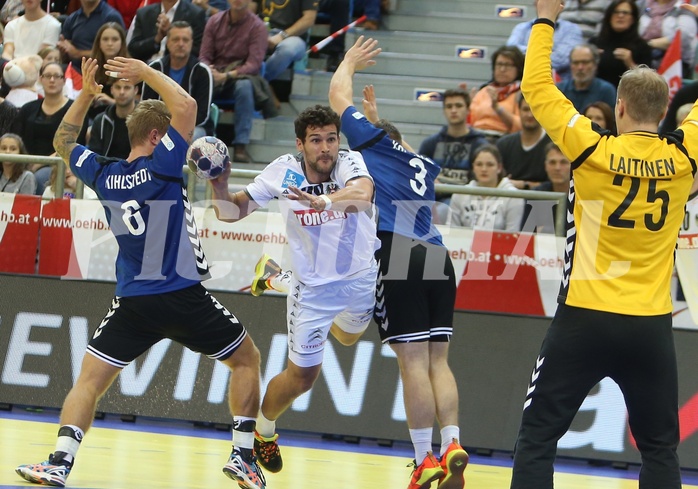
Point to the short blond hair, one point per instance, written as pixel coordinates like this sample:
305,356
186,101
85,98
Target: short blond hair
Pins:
148,115
646,94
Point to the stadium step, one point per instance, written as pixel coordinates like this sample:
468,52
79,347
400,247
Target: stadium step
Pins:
397,111
479,7
408,88
450,23
430,44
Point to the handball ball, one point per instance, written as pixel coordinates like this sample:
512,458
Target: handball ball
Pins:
208,157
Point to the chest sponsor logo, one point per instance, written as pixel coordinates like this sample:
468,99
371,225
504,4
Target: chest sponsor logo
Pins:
311,217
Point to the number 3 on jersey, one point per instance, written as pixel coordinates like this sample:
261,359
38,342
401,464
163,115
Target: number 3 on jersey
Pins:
653,195
418,184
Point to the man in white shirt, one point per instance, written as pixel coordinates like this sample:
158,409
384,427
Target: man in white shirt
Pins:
326,197
30,33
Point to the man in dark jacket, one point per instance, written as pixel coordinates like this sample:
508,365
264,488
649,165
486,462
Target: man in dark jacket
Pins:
184,68
153,22
109,136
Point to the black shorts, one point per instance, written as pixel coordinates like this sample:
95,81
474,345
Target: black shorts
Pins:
191,317
414,297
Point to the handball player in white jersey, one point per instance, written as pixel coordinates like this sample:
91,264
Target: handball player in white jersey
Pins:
326,198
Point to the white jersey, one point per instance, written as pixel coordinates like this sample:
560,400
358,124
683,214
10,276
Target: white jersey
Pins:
325,246
29,36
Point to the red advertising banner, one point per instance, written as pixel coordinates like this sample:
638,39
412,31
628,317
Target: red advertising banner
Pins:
19,232
500,275
56,243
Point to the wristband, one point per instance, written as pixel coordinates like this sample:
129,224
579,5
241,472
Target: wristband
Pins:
283,34
328,202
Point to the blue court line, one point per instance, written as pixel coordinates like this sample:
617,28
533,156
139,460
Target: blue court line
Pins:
308,440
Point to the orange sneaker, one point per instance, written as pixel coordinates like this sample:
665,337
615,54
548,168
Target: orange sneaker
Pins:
453,463
426,473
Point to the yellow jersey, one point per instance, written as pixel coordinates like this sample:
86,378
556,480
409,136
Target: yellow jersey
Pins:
627,197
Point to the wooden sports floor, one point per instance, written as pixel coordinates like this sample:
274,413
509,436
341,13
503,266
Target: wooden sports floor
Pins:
155,454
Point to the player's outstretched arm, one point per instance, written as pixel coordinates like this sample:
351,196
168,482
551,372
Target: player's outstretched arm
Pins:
180,104
359,56
67,133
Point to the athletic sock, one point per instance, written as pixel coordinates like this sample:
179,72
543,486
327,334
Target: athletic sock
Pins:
448,433
421,440
243,435
68,443
265,427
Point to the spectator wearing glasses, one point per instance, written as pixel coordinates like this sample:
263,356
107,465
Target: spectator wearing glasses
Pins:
38,120
584,87
494,109
619,42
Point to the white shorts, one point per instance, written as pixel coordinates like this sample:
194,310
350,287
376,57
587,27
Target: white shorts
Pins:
310,312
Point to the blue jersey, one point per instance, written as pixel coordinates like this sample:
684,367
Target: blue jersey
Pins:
404,180
146,205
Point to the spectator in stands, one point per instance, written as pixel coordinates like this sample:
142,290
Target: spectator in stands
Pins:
80,29
50,55
587,14
372,10
619,42
288,23
602,114
584,87
494,109
30,33
523,152
69,186
339,12
8,114
485,212
15,178
38,121
687,94
192,75
659,22
567,36
109,136
452,147
234,44
153,21
537,213
109,43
